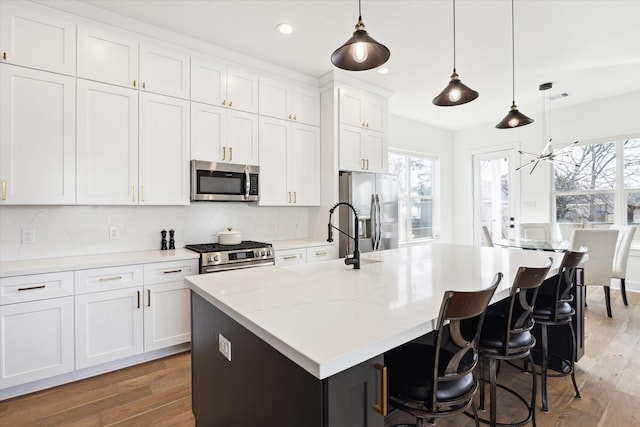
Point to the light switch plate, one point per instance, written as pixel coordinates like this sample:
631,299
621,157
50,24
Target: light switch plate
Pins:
224,345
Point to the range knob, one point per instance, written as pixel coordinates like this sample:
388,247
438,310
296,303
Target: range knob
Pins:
213,258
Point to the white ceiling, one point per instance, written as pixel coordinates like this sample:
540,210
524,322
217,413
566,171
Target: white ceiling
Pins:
588,48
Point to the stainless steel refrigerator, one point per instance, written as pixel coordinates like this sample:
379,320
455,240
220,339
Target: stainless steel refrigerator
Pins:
375,197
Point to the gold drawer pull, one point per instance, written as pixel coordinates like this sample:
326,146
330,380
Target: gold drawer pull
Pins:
148,297
230,103
290,257
224,102
144,85
138,299
134,83
4,55
320,253
109,279
230,154
382,406
173,271
30,288
4,190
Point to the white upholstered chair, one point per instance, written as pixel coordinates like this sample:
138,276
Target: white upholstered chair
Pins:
625,237
601,247
486,237
535,231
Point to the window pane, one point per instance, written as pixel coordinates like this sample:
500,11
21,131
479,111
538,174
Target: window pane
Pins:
398,167
402,220
494,196
421,220
421,177
632,163
583,211
633,213
586,167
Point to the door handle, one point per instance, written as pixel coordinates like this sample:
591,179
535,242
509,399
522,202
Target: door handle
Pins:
381,407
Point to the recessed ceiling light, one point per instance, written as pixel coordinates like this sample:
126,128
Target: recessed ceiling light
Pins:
383,70
284,28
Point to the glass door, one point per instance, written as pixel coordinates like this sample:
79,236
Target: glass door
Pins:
496,195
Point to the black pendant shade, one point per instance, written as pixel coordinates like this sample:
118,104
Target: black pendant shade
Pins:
456,93
514,119
361,52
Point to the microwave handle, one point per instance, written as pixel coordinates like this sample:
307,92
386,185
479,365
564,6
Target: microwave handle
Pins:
247,183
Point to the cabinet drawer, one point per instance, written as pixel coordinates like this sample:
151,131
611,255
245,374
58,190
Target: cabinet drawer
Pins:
35,287
171,271
291,256
320,253
110,278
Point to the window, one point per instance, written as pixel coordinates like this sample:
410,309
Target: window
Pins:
596,185
415,195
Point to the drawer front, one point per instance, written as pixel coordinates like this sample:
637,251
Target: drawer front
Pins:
291,256
34,287
320,253
170,271
106,279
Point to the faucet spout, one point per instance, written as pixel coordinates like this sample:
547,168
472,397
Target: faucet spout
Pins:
355,259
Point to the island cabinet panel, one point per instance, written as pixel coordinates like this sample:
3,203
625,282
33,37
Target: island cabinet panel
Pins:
259,384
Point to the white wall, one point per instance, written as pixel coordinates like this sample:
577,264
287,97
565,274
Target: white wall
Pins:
84,230
416,137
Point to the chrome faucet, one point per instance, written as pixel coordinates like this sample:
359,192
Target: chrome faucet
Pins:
355,259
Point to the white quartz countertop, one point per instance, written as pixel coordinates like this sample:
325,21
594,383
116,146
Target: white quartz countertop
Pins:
52,265
328,317
298,243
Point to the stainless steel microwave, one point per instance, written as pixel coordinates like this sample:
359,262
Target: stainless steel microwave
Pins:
223,182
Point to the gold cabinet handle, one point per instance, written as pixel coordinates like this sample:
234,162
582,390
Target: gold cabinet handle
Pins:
30,288
224,153
138,299
382,406
230,154
133,193
367,163
144,85
289,197
320,253
148,297
173,271
362,163
295,197
4,55
295,117
290,257
134,83
142,194
290,116
230,103
109,279
4,190
224,102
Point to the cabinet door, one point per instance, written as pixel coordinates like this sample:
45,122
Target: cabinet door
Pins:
107,144
274,99
33,287
36,340
164,71
274,137
351,140
321,253
208,81
164,150
351,107
167,315
303,164
37,137
109,326
375,151
242,138
35,39
305,105
291,256
107,56
375,113
242,90
208,132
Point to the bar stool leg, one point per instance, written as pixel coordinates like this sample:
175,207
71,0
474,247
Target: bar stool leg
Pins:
482,382
573,359
545,365
493,381
534,391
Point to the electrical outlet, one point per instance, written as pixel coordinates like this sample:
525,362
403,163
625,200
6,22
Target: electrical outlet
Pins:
28,236
114,233
224,345
273,227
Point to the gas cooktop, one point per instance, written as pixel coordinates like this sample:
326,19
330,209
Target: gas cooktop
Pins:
217,247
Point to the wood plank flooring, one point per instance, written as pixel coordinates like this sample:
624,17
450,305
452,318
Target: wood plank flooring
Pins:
158,393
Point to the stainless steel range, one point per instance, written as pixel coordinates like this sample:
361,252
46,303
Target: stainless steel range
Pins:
216,257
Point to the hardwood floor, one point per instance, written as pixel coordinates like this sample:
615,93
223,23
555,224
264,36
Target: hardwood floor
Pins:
158,393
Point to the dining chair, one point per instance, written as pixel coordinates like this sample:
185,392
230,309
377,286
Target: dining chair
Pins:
506,336
435,377
598,268
553,308
621,256
535,231
486,237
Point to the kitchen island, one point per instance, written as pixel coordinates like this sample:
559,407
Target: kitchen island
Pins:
306,343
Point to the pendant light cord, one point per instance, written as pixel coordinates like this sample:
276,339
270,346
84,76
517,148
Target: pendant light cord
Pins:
359,10
513,59
454,36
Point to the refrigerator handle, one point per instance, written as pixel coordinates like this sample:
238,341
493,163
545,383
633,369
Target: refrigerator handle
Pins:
379,221
372,223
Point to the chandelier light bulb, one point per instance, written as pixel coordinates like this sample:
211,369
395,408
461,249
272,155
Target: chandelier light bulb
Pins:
454,95
360,52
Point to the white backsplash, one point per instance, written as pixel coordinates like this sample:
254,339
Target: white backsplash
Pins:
84,230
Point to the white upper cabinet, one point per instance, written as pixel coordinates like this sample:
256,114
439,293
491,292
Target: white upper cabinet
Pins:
289,163
37,39
362,150
222,135
164,150
37,137
107,55
216,83
107,145
359,108
289,102
165,71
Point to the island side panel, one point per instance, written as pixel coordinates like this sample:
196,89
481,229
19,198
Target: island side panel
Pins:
259,386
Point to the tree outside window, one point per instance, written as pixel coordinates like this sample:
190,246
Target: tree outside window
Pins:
415,195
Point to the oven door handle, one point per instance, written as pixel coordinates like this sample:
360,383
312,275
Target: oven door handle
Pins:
206,270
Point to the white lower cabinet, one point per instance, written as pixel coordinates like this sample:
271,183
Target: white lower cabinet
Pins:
167,315
291,256
321,253
36,340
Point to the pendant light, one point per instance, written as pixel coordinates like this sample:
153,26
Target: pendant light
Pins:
456,93
360,52
514,118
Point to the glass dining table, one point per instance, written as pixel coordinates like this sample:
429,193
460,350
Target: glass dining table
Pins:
533,244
